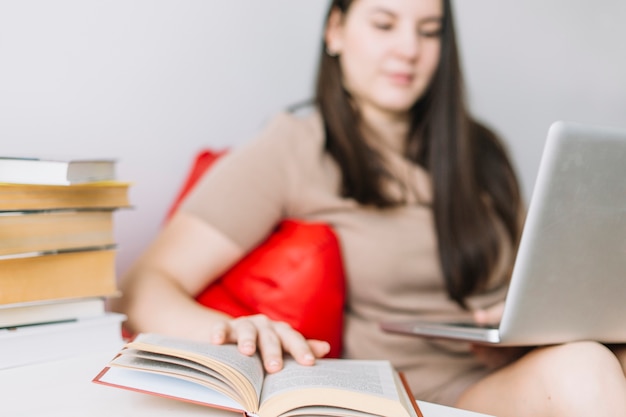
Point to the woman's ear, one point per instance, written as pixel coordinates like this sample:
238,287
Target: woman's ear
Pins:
333,35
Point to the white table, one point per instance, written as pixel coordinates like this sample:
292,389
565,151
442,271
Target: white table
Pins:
63,388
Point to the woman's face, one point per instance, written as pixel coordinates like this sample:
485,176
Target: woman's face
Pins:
388,51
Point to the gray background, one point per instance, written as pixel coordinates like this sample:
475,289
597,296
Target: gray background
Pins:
149,82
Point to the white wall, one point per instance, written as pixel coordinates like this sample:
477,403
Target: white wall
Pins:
151,81
529,63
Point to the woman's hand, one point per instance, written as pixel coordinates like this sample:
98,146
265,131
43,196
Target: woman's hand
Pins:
489,316
271,338
494,357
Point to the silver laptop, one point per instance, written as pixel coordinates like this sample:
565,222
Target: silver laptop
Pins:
569,278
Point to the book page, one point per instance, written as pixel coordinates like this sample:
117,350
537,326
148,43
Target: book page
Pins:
319,410
244,372
179,368
337,387
369,377
166,386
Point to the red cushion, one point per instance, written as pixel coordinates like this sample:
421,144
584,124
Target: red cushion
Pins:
296,275
204,159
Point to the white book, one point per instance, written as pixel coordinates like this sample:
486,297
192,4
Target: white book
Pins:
46,342
24,314
55,172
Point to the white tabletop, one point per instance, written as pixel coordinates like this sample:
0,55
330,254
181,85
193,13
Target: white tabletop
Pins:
64,389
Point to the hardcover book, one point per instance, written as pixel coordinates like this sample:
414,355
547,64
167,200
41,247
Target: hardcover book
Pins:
48,230
55,172
220,376
55,276
46,342
55,311
104,194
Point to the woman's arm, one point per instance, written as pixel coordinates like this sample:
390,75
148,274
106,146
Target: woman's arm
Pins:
158,295
158,291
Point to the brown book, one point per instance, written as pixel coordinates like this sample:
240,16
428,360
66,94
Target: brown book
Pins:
103,194
76,274
220,376
38,231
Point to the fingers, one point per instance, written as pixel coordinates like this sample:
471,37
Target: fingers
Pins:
270,346
241,332
497,357
490,315
219,332
319,348
245,334
271,338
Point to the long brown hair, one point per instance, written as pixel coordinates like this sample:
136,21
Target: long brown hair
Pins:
468,164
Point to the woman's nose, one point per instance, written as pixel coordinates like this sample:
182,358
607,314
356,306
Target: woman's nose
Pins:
408,44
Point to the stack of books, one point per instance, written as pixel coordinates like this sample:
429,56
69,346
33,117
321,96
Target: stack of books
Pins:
57,258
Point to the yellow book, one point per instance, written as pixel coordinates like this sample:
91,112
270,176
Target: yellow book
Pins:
53,276
38,231
103,194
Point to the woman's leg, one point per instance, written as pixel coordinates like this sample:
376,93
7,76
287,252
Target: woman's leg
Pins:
571,380
620,352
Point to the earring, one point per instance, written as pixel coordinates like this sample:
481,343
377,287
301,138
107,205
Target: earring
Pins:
331,53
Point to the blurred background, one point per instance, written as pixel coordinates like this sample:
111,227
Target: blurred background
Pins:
150,82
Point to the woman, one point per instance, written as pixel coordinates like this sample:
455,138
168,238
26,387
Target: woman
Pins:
426,206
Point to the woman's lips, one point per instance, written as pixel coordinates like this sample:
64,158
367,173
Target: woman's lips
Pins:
401,78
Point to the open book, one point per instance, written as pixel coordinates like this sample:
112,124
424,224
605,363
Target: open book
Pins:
219,376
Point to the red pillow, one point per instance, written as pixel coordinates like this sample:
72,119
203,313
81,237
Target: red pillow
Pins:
204,159
296,275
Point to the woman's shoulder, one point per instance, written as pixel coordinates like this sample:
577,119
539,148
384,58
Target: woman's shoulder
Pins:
294,131
288,145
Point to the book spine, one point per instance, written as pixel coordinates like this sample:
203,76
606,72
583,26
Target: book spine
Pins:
406,386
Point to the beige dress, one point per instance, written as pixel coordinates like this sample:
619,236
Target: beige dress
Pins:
390,255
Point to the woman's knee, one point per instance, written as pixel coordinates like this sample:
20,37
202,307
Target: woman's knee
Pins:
578,368
584,356
569,379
